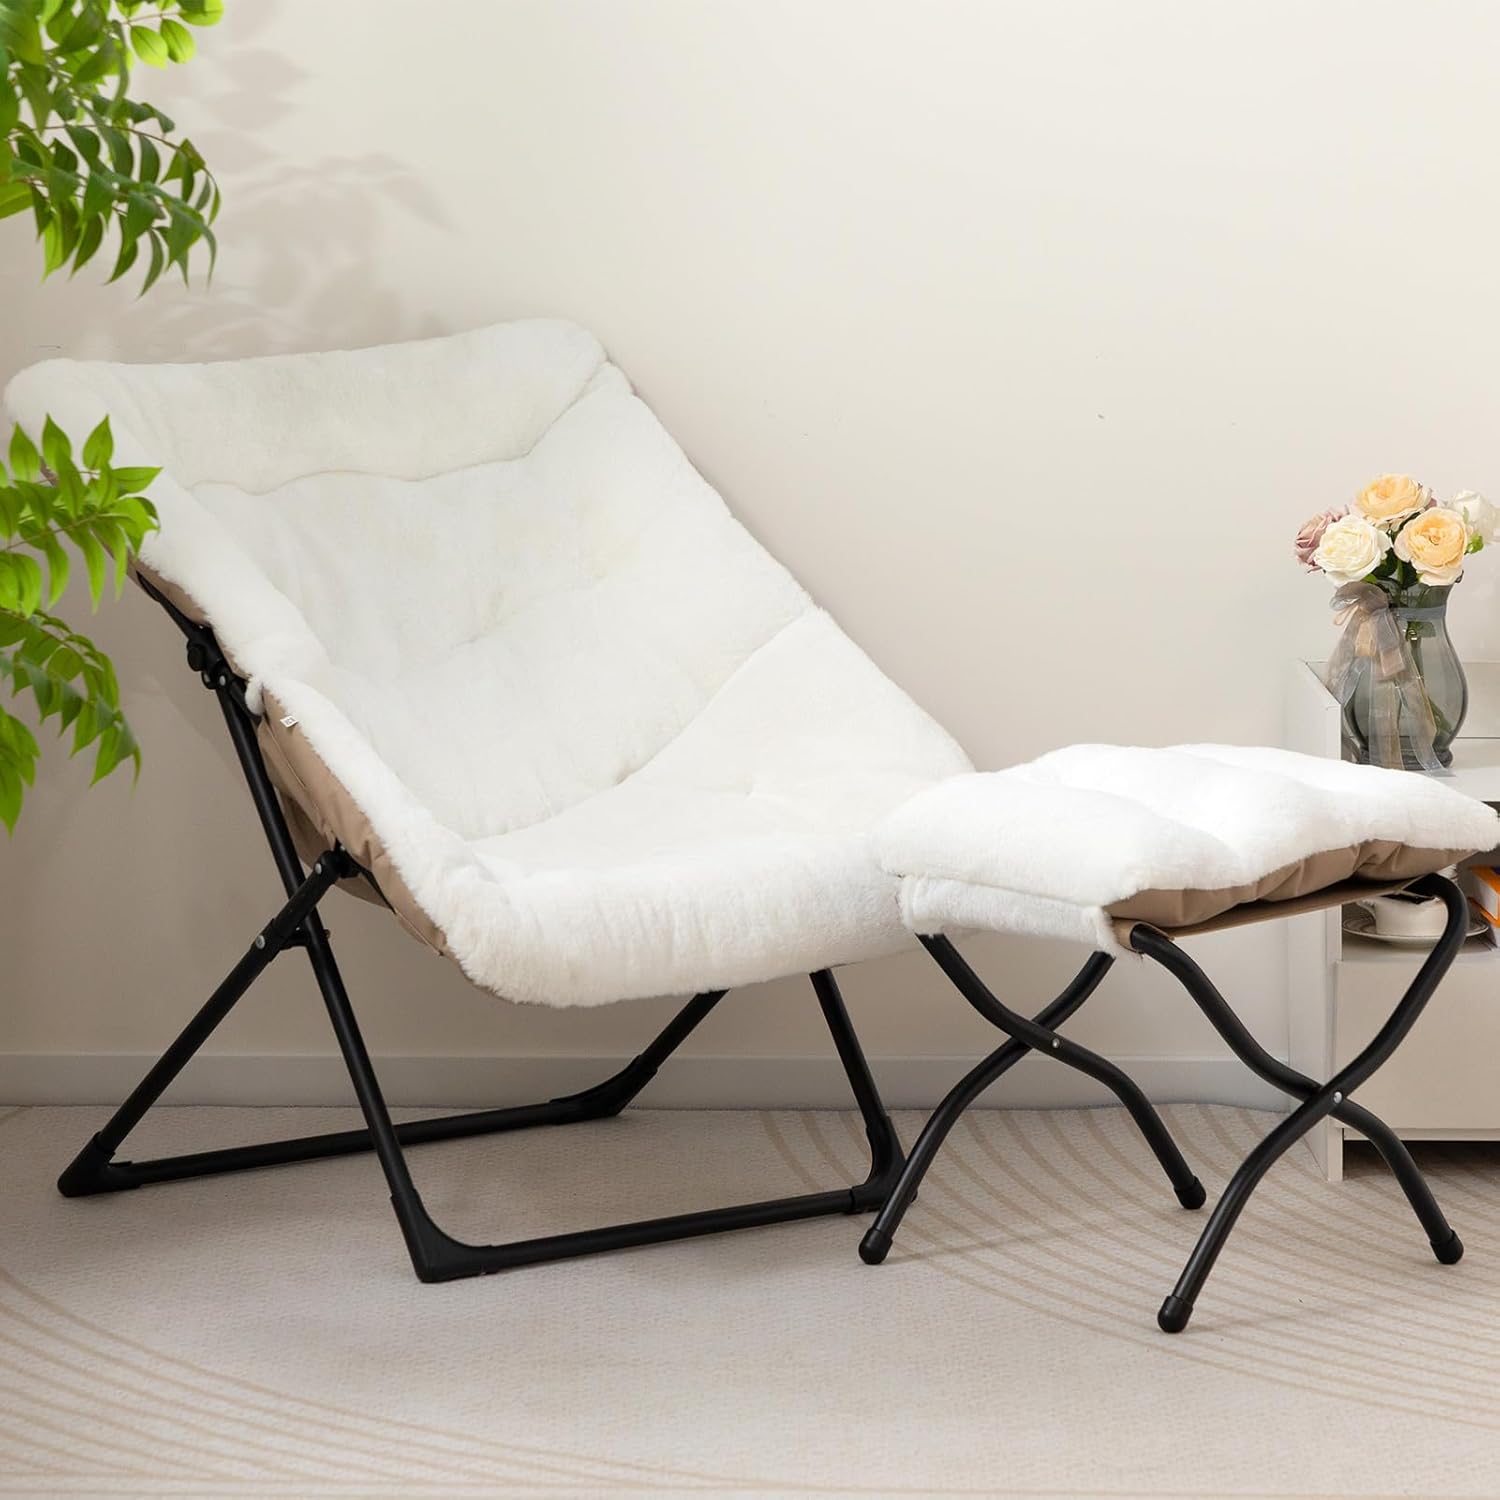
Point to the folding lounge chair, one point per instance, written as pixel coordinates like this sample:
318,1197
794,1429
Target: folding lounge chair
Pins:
491,652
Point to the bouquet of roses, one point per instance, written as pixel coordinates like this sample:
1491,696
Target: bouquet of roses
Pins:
1396,535
1394,554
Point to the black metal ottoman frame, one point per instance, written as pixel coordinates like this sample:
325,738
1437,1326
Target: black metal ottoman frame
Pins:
1316,1100
435,1255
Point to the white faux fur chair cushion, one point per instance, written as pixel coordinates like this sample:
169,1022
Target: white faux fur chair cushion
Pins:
610,746
1061,846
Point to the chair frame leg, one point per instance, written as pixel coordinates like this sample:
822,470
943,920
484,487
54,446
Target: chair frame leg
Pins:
435,1255
1035,1034
1317,1101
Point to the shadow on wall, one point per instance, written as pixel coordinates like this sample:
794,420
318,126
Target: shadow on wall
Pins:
299,268
300,240
178,856
300,250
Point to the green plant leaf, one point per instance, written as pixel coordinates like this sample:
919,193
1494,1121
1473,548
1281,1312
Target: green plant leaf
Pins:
158,261
57,450
129,249
98,194
22,36
96,562
179,41
90,148
88,243
103,62
148,46
120,549
25,461
57,567
202,12
18,757
99,447
49,661
184,230
65,663
54,249
20,583
121,153
11,792
84,30
134,480
140,213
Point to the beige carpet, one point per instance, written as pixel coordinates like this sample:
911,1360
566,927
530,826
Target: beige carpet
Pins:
263,1336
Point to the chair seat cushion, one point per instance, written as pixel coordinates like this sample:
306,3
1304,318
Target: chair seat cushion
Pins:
1069,843
740,852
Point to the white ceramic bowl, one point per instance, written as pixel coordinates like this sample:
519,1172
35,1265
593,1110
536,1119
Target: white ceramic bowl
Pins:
1403,916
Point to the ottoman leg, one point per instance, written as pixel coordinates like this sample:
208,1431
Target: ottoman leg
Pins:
1178,1307
1045,1040
1318,1101
1026,1035
876,1244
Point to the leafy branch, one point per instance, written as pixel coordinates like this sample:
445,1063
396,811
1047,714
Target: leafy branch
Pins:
48,499
83,156
91,165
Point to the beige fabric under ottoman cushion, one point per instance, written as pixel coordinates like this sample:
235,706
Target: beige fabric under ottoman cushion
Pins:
1379,861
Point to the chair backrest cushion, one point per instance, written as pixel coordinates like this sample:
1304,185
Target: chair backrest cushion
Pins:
484,551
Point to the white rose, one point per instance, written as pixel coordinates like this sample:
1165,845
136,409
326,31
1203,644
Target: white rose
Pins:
1482,518
1351,548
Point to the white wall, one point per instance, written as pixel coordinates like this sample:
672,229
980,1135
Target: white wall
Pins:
1025,333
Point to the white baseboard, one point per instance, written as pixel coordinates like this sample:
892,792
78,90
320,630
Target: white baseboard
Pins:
690,1082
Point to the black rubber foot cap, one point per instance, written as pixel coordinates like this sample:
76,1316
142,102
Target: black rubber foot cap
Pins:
875,1246
91,1171
1451,1251
1174,1315
1192,1196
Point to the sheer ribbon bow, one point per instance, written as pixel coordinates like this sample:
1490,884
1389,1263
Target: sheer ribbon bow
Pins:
1374,657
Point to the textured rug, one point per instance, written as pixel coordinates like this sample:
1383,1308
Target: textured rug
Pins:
263,1335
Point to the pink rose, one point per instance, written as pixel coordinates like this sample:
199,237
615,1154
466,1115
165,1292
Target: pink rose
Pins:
1312,533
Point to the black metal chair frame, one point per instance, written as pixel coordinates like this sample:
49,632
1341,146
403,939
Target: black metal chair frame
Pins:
1315,1101
435,1255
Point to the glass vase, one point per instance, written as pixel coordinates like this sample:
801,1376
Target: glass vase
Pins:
1421,614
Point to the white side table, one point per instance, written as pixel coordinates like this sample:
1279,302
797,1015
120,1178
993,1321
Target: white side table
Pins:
1443,1084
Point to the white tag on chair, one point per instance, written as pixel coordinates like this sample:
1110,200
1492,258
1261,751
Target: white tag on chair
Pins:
288,721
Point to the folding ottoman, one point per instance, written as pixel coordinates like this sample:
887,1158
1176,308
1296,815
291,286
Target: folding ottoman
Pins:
1127,850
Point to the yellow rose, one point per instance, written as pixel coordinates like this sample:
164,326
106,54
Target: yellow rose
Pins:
1434,544
1392,497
